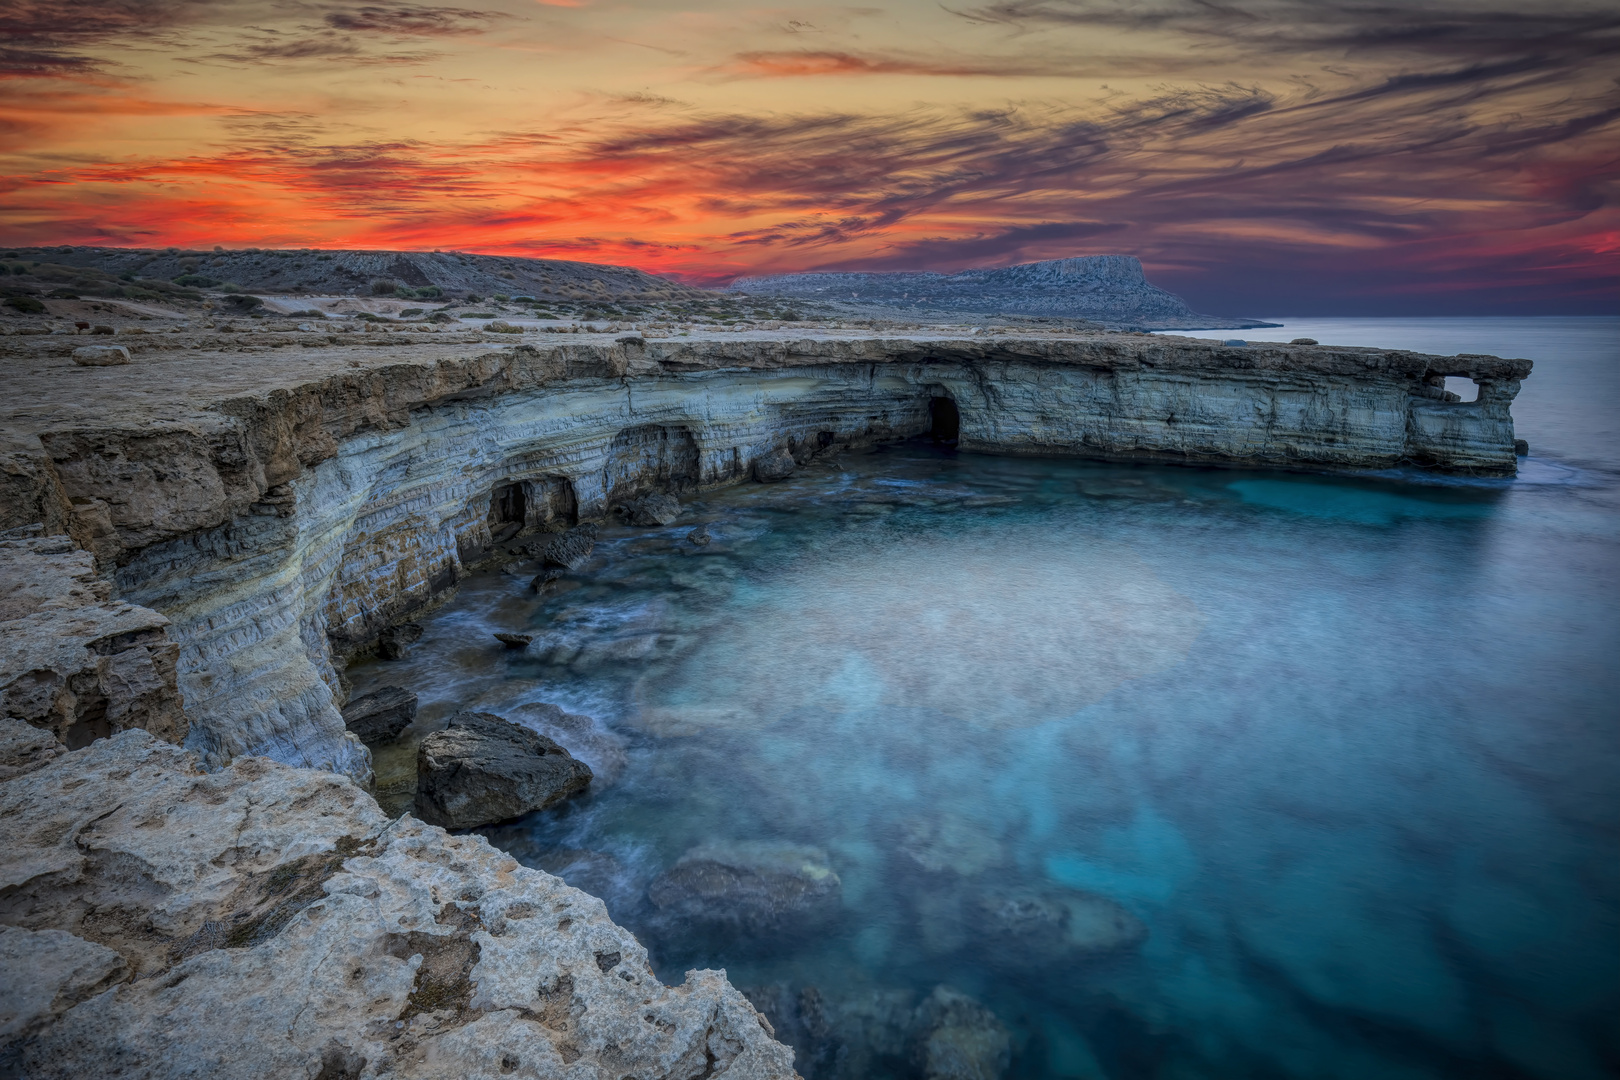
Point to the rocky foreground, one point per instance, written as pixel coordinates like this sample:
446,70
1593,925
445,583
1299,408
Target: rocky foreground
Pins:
265,921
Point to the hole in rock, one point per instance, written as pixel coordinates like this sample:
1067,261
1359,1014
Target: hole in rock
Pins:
91,725
945,421
1463,387
507,503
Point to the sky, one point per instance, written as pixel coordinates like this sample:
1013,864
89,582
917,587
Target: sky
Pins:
1260,156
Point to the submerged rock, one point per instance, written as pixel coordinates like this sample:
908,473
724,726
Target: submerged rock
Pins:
482,769
959,1039
381,715
392,643
699,536
948,844
757,887
777,465
514,641
651,510
1021,928
569,550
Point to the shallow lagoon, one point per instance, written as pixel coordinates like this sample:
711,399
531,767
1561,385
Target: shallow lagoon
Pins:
1346,747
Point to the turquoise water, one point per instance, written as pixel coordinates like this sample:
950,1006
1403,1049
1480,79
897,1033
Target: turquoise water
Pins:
1342,750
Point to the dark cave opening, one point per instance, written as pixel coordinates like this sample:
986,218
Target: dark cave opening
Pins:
945,421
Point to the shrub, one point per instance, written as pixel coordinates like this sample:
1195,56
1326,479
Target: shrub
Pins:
199,281
477,314
244,301
429,292
440,317
384,287
26,304
410,311
501,326
523,300
500,298
473,298
62,294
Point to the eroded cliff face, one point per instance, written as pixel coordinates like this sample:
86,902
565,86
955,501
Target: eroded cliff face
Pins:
265,921
282,512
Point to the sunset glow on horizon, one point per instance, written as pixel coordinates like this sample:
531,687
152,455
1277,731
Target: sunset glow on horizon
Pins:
1273,156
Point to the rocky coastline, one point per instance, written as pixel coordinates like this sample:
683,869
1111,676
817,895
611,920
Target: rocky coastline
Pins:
194,543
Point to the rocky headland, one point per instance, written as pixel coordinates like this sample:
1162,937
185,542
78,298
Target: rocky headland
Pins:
194,543
1108,289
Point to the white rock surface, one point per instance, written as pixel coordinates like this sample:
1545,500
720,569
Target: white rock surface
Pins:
100,355
265,921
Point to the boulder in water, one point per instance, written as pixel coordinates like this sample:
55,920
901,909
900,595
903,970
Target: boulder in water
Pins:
649,510
758,887
569,550
514,641
482,769
699,537
380,716
777,465
392,643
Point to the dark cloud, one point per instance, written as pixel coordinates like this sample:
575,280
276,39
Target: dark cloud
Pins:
48,37
410,20
1436,28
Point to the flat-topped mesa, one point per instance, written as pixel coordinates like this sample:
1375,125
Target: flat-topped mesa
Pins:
1111,289
282,507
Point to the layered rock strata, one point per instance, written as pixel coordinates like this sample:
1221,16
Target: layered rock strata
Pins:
265,921
284,509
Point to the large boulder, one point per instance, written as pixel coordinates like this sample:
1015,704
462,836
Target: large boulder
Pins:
777,465
569,550
392,642
649,510
100,355
482,769
380,716
751,887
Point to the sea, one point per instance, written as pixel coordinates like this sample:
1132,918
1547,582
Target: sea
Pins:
1089,769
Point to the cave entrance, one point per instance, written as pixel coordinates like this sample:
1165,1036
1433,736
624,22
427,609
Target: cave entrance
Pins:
507,507
944,421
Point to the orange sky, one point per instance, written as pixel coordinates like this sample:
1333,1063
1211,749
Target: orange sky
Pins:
1314,155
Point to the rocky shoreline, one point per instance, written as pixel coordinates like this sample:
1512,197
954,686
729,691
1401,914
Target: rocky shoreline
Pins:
194,543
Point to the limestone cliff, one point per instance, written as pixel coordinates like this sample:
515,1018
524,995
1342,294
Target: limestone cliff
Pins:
284,506
263,921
